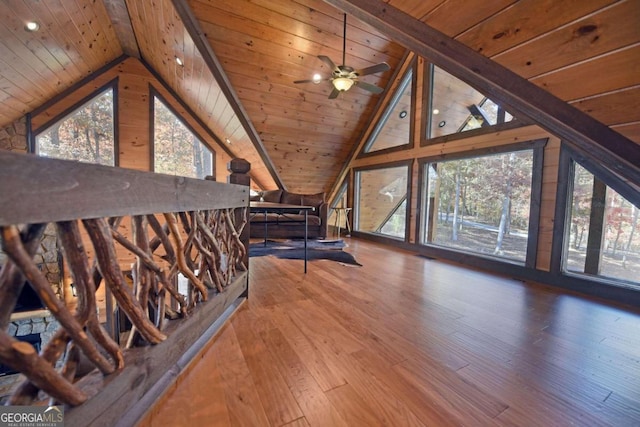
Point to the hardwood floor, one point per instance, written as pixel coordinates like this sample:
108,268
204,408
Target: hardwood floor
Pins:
408,341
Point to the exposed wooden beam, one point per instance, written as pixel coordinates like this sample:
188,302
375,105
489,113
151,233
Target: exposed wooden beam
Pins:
525,98
202,44
119,15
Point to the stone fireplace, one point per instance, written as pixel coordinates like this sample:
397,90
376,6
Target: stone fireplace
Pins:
30,321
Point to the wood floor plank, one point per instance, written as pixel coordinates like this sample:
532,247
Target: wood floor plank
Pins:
460,401
357,323
621,372
406,340
327,375
241,395
307,392
628,408
429,411
353,408
300,422
545,376
279,404
391,409
528,405
197,397
313,321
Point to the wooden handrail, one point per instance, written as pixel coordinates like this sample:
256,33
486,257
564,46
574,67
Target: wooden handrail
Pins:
37,189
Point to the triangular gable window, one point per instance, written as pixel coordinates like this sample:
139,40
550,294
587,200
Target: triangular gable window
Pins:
394,127
457,107
86,134
176,149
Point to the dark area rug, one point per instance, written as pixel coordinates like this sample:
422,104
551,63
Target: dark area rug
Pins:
294,249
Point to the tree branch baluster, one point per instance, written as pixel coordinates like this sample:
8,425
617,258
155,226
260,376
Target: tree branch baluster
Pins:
212,245
181,261
100,234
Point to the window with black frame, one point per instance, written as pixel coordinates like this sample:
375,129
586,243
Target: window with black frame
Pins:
394,126
381,196
177,150
603,230
481,204
86,134
458,107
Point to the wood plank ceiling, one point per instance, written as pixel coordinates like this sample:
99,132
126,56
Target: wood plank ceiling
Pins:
75,39
586,53
264,46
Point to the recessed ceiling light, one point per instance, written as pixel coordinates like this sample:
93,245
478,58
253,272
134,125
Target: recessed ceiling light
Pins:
436,111
32,26
441,124
180,61
403,114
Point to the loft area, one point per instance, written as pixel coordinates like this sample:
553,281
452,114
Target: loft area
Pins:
497,143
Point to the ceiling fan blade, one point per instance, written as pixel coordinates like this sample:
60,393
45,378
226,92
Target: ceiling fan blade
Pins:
334,93
329,62
312,81
378,68
369,87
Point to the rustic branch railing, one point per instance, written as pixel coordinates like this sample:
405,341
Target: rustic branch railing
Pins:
177,225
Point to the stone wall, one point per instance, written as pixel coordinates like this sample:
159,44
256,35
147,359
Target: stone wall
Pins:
48,259
45,325
13,137
41,322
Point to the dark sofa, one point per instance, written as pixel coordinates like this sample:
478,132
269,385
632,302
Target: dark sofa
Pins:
291,225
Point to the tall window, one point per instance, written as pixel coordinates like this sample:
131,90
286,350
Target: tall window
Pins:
86,134
176,149
604,231
479,204
381,196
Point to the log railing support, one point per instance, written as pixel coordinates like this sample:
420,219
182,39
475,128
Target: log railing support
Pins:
240,169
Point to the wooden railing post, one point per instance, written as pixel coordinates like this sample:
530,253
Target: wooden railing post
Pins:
239,174
239,169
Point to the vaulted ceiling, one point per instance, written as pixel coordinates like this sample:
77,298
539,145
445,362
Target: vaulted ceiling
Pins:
242,56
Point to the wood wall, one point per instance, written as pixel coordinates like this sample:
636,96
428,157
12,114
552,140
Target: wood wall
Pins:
134,120
134,114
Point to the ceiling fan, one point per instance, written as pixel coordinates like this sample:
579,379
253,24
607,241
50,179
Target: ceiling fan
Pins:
344,77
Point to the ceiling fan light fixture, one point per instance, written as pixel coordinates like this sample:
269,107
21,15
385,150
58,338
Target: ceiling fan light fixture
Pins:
342,84
343,77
